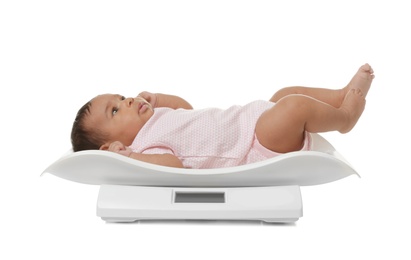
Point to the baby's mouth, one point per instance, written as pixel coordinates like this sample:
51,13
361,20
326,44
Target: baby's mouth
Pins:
143,105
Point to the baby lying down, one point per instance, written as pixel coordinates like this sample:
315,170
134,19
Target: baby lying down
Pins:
165,130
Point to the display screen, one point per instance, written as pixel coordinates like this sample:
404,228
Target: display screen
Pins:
199,197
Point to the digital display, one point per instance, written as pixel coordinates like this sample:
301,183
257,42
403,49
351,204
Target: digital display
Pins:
199,197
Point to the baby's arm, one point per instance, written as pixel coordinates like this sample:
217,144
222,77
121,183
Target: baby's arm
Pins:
159,159
164,100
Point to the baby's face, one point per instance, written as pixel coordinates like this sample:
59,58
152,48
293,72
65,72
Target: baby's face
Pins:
121,118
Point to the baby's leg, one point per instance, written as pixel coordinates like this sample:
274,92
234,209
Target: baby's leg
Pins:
334,97
282,128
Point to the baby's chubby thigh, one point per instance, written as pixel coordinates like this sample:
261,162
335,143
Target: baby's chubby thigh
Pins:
276,130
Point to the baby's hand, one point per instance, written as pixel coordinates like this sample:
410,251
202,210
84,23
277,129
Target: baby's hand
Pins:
120,148
150,97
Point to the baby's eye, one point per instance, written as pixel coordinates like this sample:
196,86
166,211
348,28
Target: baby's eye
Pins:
115,110
123,98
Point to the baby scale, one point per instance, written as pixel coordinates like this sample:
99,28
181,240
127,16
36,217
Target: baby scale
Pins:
268,191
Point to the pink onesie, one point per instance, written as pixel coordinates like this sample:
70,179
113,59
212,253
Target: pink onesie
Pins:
206,138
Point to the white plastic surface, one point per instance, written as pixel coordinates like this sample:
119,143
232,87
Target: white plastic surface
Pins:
131,203
321,165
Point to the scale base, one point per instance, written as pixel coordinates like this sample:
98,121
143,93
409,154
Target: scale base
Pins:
278,204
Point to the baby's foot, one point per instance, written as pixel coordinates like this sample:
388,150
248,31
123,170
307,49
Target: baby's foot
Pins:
353,106
362,79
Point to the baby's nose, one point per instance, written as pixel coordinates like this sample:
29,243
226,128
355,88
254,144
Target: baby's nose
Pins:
129,101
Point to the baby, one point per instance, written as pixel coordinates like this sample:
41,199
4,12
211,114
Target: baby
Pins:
165,130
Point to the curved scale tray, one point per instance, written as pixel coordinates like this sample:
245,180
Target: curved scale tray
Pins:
321,165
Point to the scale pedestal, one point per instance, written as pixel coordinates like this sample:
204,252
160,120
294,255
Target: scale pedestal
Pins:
281,204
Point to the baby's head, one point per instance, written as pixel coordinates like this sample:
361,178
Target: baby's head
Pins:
108,118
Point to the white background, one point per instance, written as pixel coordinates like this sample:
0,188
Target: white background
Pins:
56,55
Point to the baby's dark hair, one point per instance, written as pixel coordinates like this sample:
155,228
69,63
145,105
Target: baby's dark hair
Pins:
83,138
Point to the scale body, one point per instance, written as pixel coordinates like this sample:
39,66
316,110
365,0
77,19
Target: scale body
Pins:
281,204
268,190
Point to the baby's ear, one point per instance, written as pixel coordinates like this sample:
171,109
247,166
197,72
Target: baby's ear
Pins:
105,146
